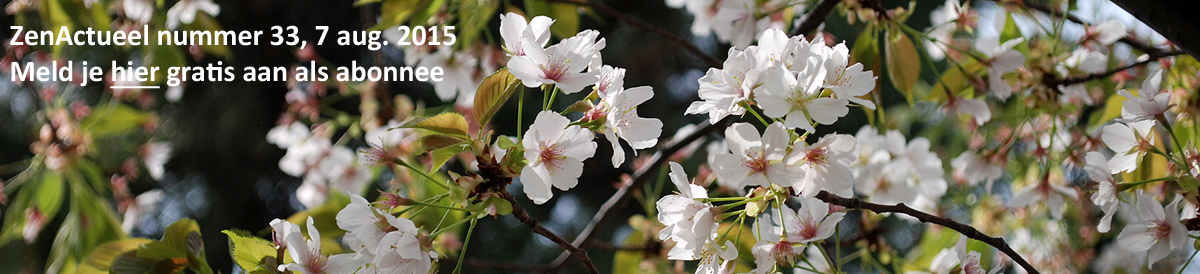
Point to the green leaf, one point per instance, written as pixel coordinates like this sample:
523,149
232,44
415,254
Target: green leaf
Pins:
446,123
1112,110
101,259
866,47
248,251
956,80
49,196
441,155
473,17
903,63
130,263
173,243
565,15
1011,31
113,118
395,12
493,92
437,141
426,10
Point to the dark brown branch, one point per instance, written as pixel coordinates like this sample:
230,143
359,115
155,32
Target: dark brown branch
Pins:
1106,74
527,268
606,9
537,227
1133,43
643,174
815,17
966,230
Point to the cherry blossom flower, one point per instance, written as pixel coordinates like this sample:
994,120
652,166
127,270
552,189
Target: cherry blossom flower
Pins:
185,11
35,220
391,134
1002,59
715,259
812,222
919,167
977,169
561,64
689,222
1149,102
756,160
771,247
1154,228
825,165
365,227
307,254
1130,142
400,251
611,80
976,108
797,98
941,27
336,170
138,10
514,30
1052,194
623,121
144,203
287,135
1106,33
457,80
155,156
555,152
1106,194
722,89
737,22
847,82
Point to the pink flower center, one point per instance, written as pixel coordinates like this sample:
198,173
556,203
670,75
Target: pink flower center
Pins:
757,162
782,251
816,157
316,261
808,228
555,69
551,156
1161,230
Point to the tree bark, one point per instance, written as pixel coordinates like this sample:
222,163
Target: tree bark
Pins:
1171,18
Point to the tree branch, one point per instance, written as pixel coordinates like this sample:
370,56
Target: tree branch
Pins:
537,227
616,202
1106,74
966,230
708,58
815,17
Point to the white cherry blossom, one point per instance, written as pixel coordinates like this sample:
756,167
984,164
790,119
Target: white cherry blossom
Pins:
812,222
562,64
1149,103
555,152
1052,194
1154,228
847,81
977,169
307,254
825,165
1002,59
623,121
756,160
287,135
797,98
1106,33
400,251
1130,142
514,30
1106,192
366,226
140,11
722,89
689,222
942,27
185,11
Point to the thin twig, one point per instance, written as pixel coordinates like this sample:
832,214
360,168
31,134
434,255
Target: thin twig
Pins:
537,227
815,17
708,58
966,230
616,202
1153,57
